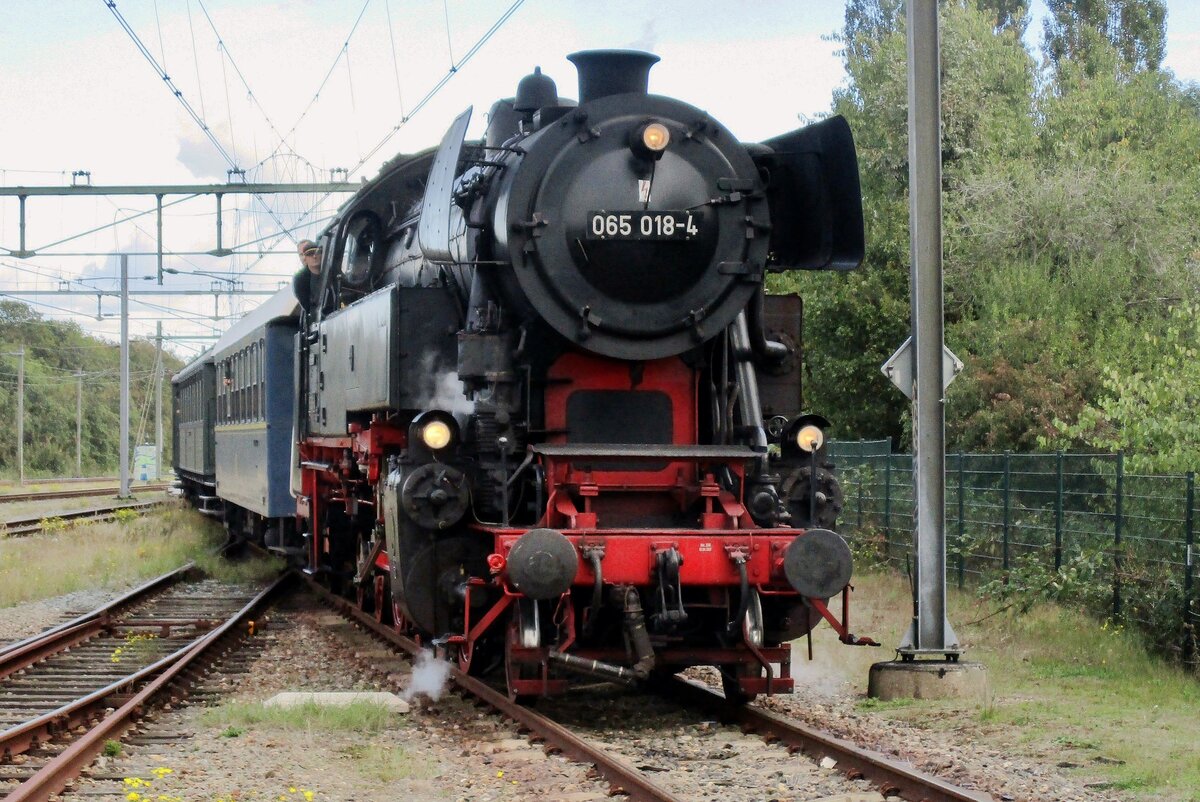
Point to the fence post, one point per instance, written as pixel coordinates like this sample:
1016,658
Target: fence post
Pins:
1189,539
961,526
1058,513
1007,482
860,496
887,506
1117,527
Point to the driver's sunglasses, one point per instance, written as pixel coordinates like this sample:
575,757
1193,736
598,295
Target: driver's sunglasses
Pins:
312,252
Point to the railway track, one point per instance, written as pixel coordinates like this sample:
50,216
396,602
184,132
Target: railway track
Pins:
22,527
624,776
65,480
51,495
64,693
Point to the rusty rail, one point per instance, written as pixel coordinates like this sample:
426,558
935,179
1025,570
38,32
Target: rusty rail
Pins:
17,655
50,495
621,778
21,527
56,774
891,777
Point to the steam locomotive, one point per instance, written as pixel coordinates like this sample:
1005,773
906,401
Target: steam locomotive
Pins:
552,421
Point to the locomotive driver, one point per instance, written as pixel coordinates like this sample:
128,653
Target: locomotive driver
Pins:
306,284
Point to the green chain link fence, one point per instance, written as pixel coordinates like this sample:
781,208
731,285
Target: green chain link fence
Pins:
1077,527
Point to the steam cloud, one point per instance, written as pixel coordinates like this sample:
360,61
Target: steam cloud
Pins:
429,677
446,392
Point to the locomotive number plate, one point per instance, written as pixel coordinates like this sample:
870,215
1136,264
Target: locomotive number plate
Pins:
655,225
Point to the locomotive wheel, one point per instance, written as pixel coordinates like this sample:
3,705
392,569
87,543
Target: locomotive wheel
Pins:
400,623
363,600
381,602
522,630
465,652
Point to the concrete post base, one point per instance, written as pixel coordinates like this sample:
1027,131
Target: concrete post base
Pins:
927,679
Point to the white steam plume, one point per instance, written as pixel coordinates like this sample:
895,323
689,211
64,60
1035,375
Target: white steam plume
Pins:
428,677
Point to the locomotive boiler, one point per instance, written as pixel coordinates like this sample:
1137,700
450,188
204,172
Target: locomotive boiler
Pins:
554,422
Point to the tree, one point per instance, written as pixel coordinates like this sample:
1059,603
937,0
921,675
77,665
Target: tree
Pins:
853,322
54,351
1104,37
1150,412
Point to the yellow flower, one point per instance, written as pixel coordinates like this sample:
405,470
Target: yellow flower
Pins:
133,796
308,795
292,790
499,774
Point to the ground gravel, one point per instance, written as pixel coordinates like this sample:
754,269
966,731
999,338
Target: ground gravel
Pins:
22,620
446,750
958,753
449,750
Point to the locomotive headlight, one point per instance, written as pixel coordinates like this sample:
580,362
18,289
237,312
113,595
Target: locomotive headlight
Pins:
656,137
810,438
650,140
436,435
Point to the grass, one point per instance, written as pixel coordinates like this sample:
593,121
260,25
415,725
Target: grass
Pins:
14,510
248,571
376,758
102,555
387,763
118,554
362,717
1063,687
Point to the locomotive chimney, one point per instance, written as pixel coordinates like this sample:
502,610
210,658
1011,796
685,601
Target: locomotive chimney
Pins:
612,72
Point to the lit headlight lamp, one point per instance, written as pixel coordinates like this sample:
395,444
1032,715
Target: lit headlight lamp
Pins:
804,436
650,139
810,438
434,430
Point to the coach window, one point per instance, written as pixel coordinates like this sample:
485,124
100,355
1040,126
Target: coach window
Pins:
254,381
230,411
248,355
234,409
239,381
262,379
226,387
251,378
249,352
242,369
251,381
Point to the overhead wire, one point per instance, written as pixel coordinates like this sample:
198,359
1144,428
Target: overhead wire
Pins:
245,83
204,126
449,40
445,79
174,89
162,51
195,57
76,236
320,87
387,6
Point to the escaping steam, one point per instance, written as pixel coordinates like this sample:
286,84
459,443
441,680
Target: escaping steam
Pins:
447,392
428,677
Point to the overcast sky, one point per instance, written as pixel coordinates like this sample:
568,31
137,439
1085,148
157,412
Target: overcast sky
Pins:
78,95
